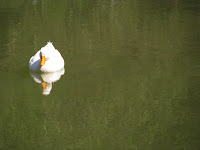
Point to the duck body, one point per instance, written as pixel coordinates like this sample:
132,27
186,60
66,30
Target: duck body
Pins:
47,59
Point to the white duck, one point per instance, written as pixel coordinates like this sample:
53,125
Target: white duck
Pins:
46,79
47,59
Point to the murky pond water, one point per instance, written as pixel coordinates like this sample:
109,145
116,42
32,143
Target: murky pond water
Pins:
131,78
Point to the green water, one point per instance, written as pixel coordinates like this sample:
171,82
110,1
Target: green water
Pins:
131,81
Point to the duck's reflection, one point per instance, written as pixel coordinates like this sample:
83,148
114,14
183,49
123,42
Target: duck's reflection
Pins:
46,79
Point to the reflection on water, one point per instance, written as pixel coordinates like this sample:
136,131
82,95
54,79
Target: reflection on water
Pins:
47,79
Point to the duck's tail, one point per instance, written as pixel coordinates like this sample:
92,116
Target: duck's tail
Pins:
50,45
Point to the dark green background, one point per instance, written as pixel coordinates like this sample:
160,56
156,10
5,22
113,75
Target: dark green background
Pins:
131,82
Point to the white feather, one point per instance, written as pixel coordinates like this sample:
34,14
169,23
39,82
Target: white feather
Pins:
54,60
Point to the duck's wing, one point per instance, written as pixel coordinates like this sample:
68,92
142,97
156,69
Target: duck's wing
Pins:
34,63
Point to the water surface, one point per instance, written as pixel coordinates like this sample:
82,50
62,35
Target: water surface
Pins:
131,81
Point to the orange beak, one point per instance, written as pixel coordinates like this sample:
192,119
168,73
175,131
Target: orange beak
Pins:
43,61
44,85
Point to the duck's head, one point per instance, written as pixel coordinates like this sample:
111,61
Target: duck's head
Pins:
46,53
